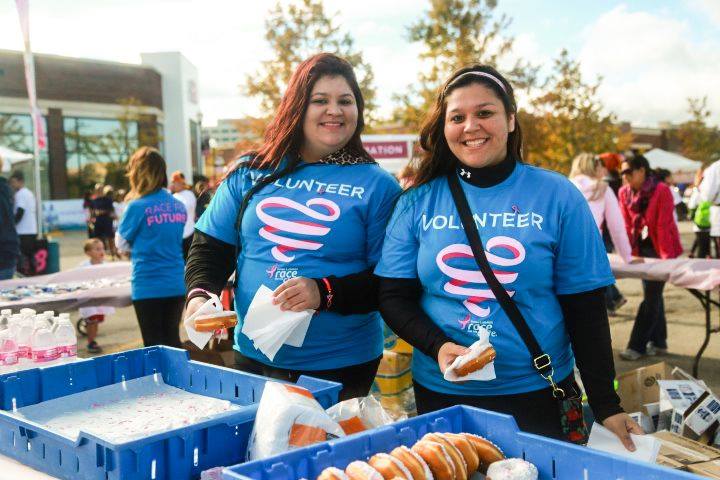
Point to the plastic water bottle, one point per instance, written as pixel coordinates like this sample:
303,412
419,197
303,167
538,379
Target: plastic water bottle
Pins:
42,344
23,336
65,338
8,348
27,312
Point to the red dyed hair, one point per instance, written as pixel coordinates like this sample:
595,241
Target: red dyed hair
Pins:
284,134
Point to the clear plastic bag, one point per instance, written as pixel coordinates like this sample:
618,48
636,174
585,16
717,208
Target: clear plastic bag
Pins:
359,414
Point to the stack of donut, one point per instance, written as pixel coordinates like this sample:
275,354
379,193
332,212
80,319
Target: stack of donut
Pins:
437,456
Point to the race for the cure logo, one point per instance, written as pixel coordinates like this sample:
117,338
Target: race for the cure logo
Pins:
471,283
276,229
278,273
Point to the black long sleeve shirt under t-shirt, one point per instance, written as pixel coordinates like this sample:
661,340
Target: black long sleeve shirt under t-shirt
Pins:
211,262
584,313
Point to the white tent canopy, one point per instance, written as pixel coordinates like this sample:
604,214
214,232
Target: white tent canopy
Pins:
10,157
660,158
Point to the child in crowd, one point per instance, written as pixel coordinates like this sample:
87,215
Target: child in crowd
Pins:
93,316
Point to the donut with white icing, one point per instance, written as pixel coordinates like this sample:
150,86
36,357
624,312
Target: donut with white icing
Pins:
461,469
359,470
437,458
413,462
512,469
333,473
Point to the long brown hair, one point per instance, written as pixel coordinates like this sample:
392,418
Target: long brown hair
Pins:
284,134
437,158
146,172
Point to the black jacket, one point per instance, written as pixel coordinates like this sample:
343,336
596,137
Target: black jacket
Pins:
9,246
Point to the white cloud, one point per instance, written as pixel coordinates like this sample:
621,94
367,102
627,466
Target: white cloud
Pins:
650,66
711,8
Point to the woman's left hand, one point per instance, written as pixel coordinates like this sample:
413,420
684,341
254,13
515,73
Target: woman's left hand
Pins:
298,294
622,426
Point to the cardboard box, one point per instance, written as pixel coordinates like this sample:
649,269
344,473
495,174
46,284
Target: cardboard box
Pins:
706,469
669,462
683,450
652,410
678,394
394,375
639,386
703,414
644,421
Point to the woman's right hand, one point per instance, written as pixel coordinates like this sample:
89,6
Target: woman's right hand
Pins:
193,306
448,353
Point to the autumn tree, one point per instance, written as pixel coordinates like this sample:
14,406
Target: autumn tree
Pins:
699,140
295,32
567,119
455,33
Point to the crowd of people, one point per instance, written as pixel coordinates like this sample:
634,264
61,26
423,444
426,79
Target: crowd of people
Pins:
311,215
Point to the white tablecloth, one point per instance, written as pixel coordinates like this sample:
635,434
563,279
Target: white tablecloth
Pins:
693,273
114,296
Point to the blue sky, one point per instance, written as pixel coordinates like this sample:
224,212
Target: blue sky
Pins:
652,54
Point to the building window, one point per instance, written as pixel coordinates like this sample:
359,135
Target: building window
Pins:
16,133
97,152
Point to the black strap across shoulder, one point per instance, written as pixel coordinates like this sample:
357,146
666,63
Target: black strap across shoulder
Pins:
541,360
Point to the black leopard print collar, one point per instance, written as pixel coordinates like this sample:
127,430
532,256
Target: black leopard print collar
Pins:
347,156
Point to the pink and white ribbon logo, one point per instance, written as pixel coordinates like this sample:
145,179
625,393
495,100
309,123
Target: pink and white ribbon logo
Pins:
274,226
458,285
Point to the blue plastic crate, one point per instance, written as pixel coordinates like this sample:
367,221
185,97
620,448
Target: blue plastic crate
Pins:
555,460
177,454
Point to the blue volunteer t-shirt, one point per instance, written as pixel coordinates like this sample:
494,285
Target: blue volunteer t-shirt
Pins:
319,220
540,239
153,225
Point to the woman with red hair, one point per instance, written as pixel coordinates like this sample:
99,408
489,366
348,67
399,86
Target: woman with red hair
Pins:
304,215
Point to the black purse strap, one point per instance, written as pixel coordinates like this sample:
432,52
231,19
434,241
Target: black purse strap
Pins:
541,360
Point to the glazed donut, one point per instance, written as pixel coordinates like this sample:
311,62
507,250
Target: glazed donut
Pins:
332,473
487,451
437,458
512,469
358,470
390,467
468,451
461,469
413,462
477,363
215,321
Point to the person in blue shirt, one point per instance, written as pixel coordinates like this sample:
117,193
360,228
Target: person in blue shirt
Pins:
312,206
541,242
151,231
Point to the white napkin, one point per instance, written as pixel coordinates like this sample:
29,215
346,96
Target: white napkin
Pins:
647,446
270,328
484,374
200,339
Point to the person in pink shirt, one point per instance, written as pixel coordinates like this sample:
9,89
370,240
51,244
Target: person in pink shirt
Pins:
647,206
587,173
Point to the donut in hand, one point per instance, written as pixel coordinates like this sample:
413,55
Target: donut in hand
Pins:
437,458
461,469
477,363
487,451
418,468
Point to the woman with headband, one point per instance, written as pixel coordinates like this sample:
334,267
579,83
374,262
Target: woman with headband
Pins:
543,256
311,206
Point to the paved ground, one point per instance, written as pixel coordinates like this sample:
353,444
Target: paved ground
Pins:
684,313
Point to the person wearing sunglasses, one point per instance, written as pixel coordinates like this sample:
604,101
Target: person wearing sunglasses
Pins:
647,206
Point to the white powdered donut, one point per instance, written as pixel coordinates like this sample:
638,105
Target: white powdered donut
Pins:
362,471
512,469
